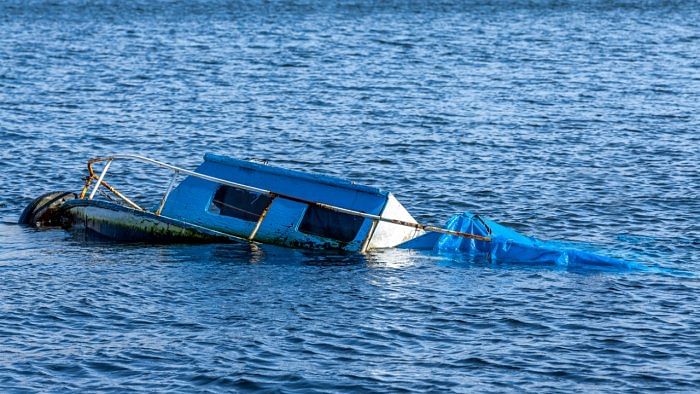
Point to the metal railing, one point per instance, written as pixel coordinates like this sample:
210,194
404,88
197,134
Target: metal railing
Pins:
177,171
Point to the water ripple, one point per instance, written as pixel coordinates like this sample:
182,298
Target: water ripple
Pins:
574,121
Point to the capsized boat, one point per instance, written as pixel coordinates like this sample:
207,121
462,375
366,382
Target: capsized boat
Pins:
231,200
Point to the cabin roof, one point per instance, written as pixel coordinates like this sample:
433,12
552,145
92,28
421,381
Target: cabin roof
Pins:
317,178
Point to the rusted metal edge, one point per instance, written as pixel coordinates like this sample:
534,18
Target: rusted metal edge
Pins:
368,239
251,237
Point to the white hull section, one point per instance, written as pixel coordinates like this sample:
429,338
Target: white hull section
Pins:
388,235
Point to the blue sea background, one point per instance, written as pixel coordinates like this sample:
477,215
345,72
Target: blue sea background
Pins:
576,121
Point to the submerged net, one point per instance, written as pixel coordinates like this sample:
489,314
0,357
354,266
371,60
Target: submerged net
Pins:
509,246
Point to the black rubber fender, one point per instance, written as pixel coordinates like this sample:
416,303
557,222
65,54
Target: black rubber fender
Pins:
44,211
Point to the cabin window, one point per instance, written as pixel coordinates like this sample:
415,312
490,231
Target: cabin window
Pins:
330,224
239,203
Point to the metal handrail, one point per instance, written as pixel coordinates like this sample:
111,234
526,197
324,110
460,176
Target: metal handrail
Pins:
178,170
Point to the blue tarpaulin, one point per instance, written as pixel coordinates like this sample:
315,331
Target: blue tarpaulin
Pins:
509,246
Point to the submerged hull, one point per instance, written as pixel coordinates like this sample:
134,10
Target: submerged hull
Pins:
118,223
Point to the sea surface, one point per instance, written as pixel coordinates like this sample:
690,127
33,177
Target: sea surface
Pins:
574,121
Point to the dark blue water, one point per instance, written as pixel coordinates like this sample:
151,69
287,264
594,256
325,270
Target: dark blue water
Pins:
573,121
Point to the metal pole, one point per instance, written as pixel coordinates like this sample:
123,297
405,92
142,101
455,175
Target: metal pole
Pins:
401,222
167,192
99,180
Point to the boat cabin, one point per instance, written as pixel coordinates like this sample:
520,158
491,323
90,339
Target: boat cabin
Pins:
293,214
